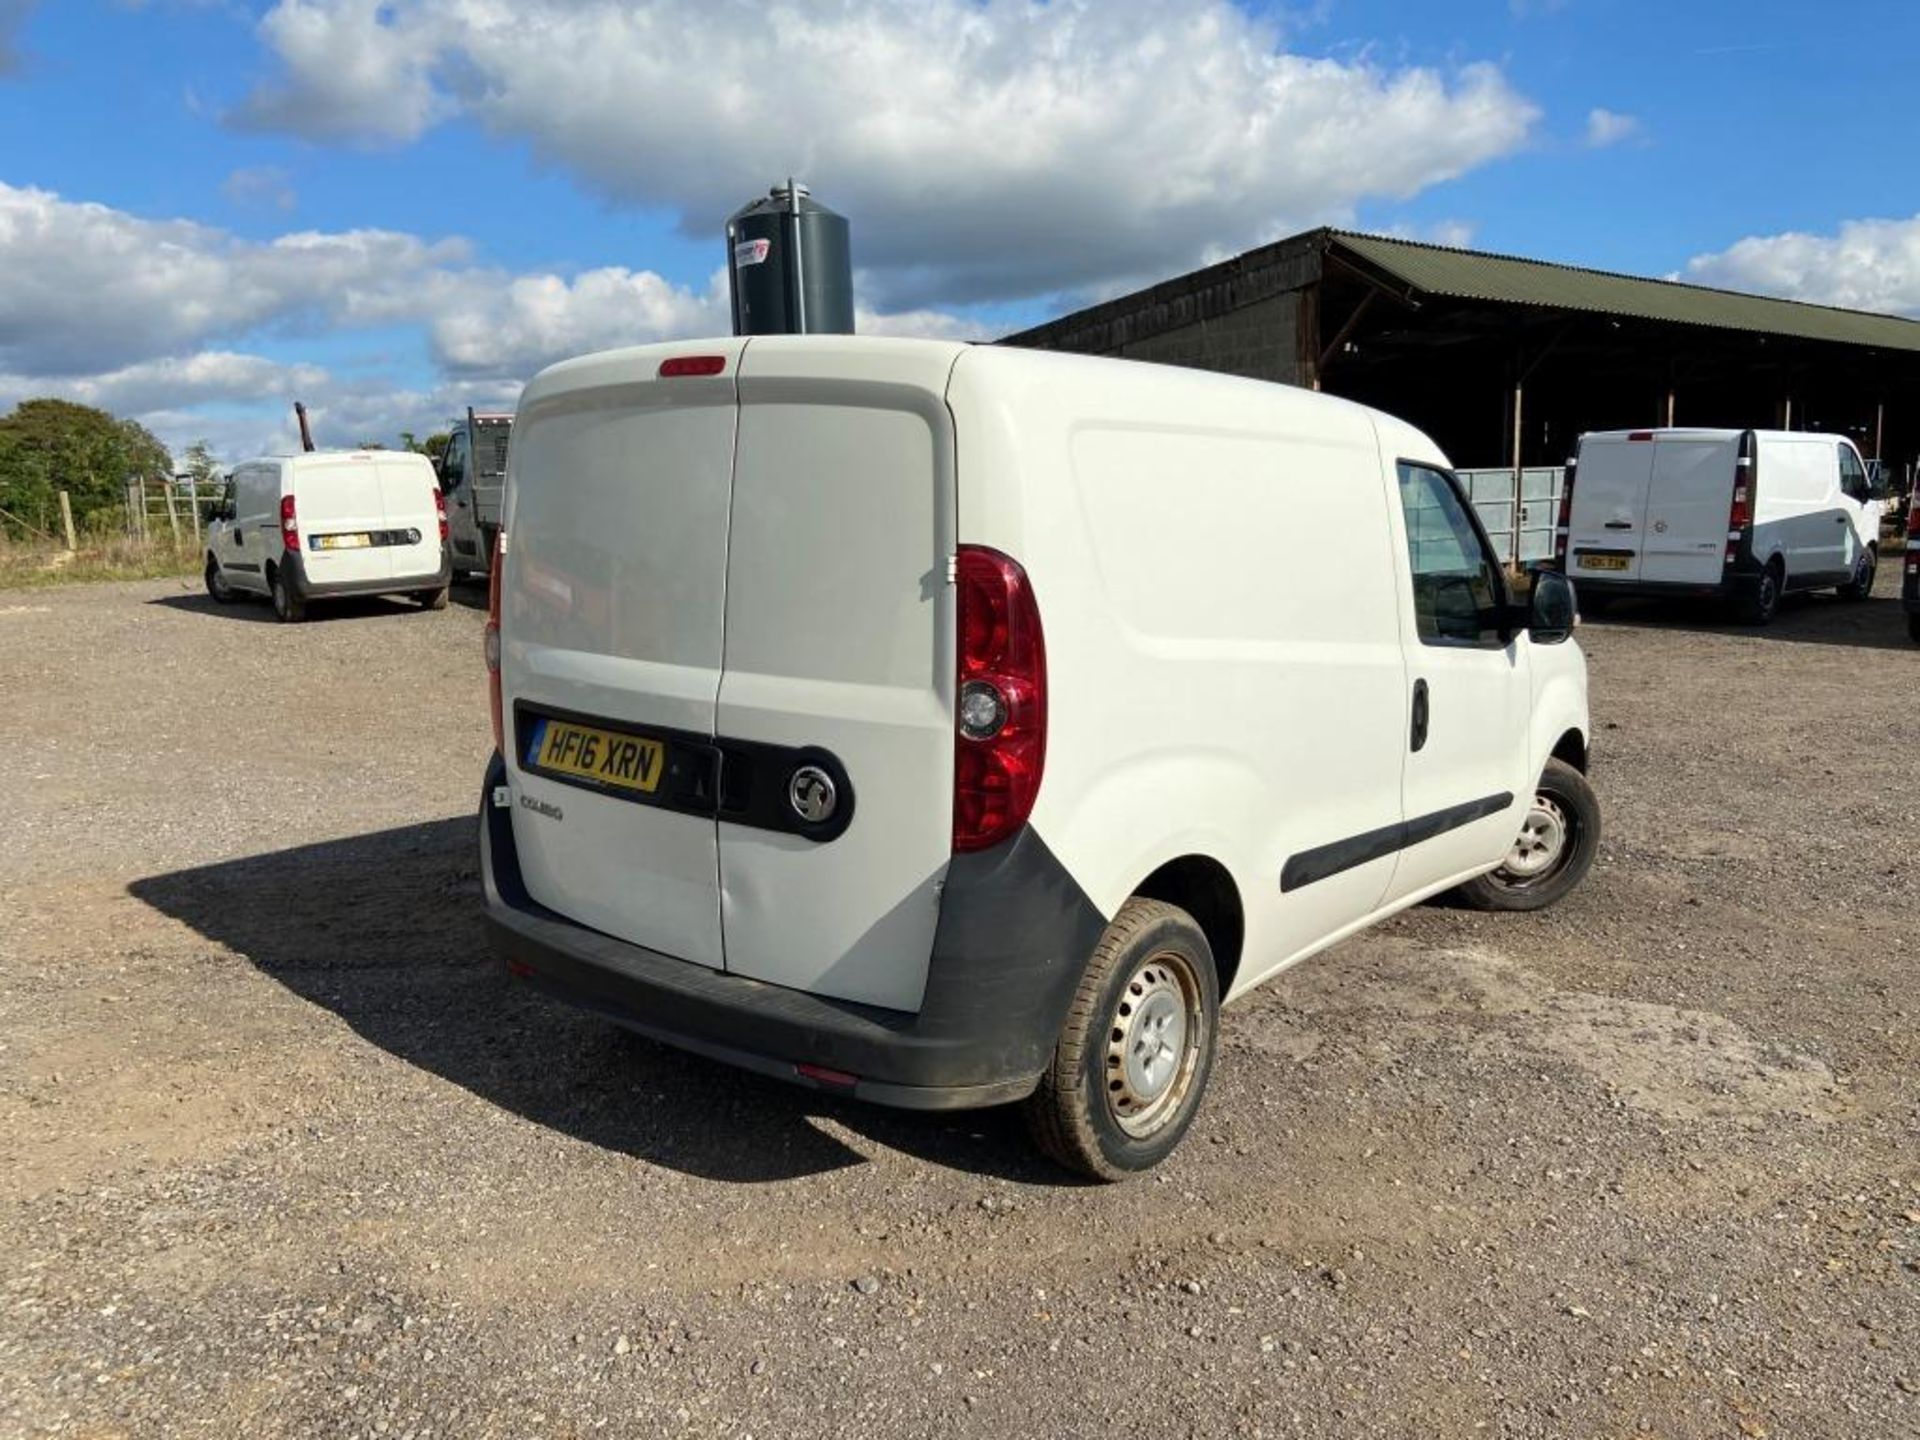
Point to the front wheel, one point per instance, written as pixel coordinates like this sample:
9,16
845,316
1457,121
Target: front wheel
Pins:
1861,586
1553,851
1913,626
1134,1055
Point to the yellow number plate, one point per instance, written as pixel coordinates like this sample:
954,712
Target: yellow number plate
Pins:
1603,562
624,762
344,542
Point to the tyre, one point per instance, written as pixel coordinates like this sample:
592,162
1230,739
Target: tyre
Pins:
217,585
1553,851
1759,607
1861,586
1133,1058
1913,626
288,606
432,599
1595,604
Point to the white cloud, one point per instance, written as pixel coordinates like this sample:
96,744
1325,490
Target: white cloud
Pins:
1865,265
363,72
1609,127
985,149
210,376
86,289
260,187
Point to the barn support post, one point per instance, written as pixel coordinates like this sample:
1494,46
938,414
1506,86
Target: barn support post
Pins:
1879,427
1668,422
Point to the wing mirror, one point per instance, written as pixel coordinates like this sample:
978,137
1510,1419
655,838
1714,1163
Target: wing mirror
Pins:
1553,608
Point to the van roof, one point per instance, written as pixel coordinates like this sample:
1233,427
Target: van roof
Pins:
322,457
1707,432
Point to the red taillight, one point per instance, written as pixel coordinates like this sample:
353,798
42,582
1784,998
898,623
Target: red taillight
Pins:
440,508
1740,511
1913,536
1000,722
1564,525
681,366
1641,435
490,641
289,524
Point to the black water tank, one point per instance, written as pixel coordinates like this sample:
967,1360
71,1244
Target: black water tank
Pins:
790,266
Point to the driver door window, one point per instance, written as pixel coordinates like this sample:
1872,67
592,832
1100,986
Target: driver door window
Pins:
1853,476
1459,594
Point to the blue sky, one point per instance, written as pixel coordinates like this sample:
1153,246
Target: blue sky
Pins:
402,207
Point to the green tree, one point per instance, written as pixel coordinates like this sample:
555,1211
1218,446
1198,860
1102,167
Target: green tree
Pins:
201,465
437,443
47,446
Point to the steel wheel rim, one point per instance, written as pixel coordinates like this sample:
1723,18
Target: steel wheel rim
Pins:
1154,1041
1542,845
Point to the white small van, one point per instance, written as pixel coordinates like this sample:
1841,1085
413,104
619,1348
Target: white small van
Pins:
949,726
299,528
1744,516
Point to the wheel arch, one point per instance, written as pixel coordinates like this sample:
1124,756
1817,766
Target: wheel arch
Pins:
1205,889
1571,747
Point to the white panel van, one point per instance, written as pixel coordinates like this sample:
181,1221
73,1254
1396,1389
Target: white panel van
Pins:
1744,516
299,528
951,726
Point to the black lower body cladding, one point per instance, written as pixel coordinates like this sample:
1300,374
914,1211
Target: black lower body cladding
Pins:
1014,933
309,589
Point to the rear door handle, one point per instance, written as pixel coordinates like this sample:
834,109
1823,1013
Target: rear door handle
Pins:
1420,709
1619,524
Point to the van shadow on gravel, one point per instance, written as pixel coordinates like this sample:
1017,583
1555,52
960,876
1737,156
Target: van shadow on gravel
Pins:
256,610
1876,623
384,931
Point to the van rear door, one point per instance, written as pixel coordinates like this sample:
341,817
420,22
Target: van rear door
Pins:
406,493
342,514
1688,502
839,663
612,609
1604,535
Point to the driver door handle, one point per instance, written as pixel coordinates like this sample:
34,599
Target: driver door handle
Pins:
1420,714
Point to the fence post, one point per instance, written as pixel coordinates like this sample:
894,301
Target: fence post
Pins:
66,522
173,516
193,507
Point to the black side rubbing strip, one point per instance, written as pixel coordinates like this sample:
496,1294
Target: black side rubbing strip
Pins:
1327,860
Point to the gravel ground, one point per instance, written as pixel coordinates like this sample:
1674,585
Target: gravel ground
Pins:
283,1153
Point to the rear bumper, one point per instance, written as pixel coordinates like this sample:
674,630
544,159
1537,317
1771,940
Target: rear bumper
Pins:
1014,934
308,588
1736,586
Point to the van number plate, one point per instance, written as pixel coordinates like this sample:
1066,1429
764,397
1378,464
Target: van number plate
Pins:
359,540
1603,562
622,762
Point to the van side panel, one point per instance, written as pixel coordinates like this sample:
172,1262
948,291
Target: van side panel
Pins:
1798,505
1212,563
840,636
612,602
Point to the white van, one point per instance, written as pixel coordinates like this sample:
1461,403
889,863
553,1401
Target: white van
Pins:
298,528
949,726
1745,516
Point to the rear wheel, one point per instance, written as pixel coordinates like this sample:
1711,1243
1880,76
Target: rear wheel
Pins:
1553,851
432,599
217,585
1762,603
1861,586
288,606
1913,626
1134,1055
